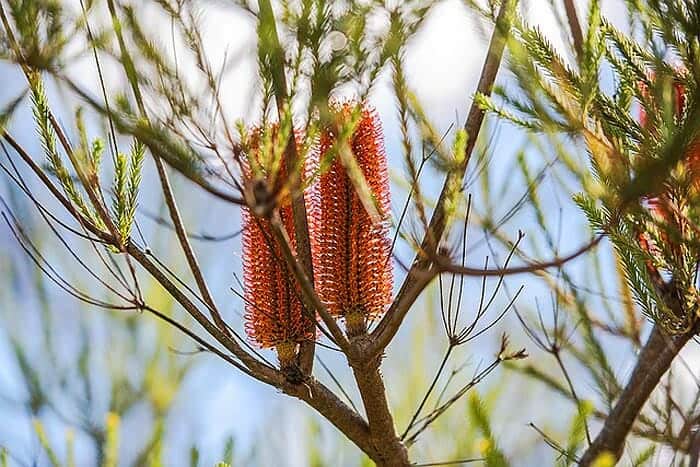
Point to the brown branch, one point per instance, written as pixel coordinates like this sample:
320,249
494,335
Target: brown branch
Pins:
528,268
166,186
261,371
652,363
310,391
421,272
574,26
28,72
325,402
36,169
184,241
192,335
679,441
307,288
694,449
383,437
454,462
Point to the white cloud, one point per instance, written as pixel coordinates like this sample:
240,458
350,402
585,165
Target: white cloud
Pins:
443,61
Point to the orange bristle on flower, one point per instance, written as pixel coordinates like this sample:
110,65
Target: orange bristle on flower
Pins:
274,315
692,161
353,274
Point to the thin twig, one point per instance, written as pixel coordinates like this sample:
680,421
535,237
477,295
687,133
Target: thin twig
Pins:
528,268
166,186
336,382
454,462
416,414
292,160
307,287
553,444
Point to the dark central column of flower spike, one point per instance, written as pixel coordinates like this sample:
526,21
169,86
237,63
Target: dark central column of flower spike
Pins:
352,267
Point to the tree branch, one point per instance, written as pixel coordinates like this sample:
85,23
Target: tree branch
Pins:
307,288
421,272
652,363
166,186
574,26
392,451
533,266
325,402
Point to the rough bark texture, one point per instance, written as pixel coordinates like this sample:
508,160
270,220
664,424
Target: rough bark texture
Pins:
391,452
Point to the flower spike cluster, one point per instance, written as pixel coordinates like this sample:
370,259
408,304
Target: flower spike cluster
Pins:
274,314
353,271
350,249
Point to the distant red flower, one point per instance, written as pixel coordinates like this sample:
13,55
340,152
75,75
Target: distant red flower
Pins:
661,206
274,314
353,274
678,97
691,158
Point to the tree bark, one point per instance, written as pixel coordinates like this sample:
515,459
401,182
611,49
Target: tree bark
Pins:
652,363
335,411
391,452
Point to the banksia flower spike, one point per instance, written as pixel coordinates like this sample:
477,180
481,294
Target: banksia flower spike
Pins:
274,314
691,158
353,273
669,207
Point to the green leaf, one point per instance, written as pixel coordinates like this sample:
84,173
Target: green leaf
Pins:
70,448
194,456
270,51
42,117
645,456
228,450
44,441
577,430
480,416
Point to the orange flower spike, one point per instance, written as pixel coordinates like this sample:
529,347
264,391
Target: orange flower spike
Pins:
274,314
353,273
660,206
692,155
678,97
